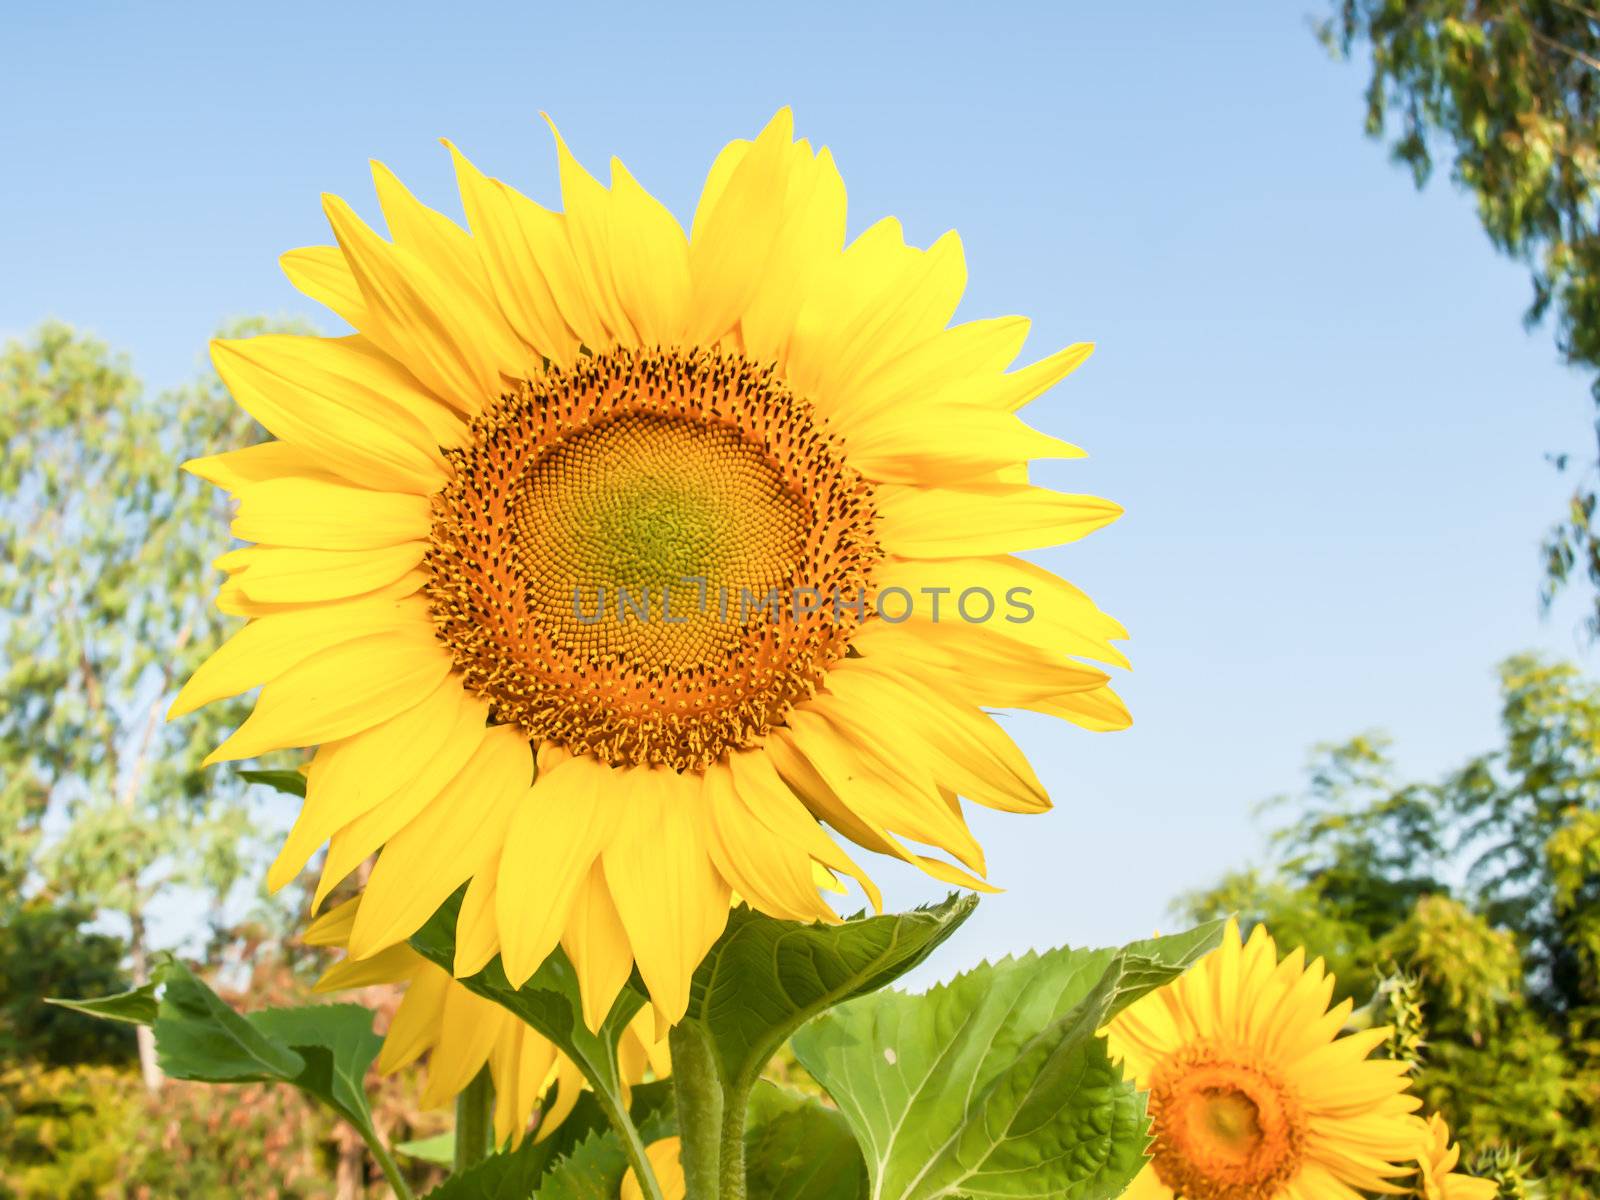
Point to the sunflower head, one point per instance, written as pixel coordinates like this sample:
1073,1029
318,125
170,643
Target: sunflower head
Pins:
1253,1095
613,570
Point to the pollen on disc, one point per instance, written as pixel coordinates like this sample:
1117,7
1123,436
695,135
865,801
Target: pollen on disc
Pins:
604,560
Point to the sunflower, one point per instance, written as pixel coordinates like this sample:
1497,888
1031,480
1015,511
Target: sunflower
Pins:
461,1032
1439,1178
1253,1095
604,565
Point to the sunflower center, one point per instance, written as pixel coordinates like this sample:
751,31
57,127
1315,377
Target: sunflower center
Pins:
1225,1127
649,557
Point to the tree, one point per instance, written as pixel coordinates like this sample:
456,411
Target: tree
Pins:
105,608
1510,91
1479,891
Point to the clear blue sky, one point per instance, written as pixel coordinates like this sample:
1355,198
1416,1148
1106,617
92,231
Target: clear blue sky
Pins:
1312,394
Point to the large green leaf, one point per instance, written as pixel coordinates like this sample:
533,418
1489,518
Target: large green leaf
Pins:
198,1036
337,1045
323,1049
765,977
996,1084
797,1148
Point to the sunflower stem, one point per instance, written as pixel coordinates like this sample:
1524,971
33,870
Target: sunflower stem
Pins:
475,1121
710,1129
632,1144
386,1164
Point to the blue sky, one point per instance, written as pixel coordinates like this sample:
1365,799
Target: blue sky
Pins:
1312,392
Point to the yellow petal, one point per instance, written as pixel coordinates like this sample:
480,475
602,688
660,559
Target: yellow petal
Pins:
318,515
944,443
402,797
397,964
468,1031
343,690
559,828
769,874
435,854
968,752
1031,604
293,575
350,778
416,1024
1019,387
531,265
672,901
432,237
443,336
597,943
962,361
996,519
477,933
355,411
665,1165
733,242
587,207
235,470
322,273
649,261
269,646
810,238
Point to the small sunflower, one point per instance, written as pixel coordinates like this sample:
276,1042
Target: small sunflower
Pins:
461,1032
1253,1095
605,564
1440,1180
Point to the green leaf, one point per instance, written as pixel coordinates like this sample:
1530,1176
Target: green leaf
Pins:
440,1149
499,1177
797,1148
765,977
323,1049
549,1001
651,1108
996,1084
137,1007
592,1171
200,1037
290,782
337,1045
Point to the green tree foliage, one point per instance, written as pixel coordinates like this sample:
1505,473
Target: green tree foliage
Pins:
105,608
44,950
1465,910
1509,92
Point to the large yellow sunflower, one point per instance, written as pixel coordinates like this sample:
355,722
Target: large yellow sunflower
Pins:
604,563
1253,1095
461,1033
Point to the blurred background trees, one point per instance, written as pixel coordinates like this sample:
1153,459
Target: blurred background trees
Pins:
1471,900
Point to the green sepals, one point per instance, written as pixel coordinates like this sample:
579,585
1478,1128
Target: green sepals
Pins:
997,1083
291,783
765,978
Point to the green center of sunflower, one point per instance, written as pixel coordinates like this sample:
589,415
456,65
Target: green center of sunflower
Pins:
637,558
